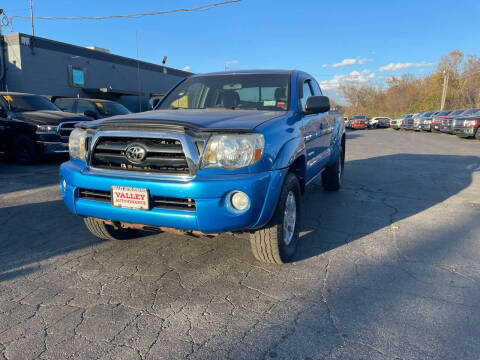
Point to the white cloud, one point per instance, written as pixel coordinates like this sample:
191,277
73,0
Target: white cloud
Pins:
353,77
350,62
230,62
324,65
407,65
186,68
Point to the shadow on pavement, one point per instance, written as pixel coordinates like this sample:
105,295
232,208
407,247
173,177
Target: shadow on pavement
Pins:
15,177
405,298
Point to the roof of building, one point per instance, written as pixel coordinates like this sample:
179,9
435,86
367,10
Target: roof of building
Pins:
38,42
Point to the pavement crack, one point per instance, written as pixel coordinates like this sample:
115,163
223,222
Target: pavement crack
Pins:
330,309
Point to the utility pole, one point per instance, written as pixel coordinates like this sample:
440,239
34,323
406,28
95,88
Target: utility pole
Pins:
445,87
31,17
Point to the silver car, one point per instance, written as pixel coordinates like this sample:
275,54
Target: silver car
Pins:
422,119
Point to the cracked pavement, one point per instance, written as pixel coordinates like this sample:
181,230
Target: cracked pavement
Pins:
388,268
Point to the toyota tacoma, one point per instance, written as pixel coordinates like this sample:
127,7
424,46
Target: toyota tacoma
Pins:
222,152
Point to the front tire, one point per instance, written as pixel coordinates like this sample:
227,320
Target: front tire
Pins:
107,232
477,134
25,150
333,174
277,242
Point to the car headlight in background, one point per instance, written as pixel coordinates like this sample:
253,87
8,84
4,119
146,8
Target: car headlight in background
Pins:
233,151
76,144
470,122
46,129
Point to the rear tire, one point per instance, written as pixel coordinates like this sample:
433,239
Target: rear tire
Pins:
277,242
477,134
107,232
25,150
333,174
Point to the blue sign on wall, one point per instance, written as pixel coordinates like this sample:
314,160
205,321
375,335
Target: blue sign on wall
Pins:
78,77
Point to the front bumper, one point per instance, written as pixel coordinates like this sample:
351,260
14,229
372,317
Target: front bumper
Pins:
464,132
447,129
426,127
48,147
209,192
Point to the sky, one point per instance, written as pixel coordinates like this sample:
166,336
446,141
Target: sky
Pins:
343,40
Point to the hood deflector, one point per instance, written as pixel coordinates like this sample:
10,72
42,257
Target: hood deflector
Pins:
156,125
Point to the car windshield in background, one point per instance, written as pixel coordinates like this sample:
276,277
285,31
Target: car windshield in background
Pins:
443,113
236,91
456,112
408,116
21,103
111,108
428,113
470,111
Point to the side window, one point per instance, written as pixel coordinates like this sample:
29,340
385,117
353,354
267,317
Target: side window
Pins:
316,88
306,93
65,104
83,106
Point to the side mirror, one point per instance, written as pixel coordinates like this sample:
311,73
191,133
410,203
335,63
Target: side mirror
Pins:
90,113
3,112
317,105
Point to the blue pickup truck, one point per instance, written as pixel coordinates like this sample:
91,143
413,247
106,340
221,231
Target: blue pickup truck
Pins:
222,152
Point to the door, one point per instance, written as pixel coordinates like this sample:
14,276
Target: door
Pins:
314,126
328,122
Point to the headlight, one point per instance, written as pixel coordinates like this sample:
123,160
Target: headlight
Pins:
470,122
76,144
233,151
46,129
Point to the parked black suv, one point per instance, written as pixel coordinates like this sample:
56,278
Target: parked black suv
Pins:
31,125
94,108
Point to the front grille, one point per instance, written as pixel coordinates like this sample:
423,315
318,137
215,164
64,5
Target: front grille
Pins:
162,155
64,129
156,202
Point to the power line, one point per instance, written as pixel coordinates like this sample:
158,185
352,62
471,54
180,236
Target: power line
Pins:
127,16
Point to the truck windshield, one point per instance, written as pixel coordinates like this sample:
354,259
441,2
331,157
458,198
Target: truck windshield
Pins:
108,108
20,103
232,91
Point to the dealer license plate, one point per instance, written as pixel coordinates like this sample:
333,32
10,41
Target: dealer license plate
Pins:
130,198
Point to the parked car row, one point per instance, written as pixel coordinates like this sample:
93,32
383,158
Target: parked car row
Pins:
32,126
362,122
461,122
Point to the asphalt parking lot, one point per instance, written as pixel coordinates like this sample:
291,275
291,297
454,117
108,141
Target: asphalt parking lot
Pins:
388,268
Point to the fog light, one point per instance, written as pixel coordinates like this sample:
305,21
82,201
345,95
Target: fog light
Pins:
240,201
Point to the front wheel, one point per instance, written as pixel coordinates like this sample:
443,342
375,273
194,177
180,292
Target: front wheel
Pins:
25,150
477,134
103,231
277,242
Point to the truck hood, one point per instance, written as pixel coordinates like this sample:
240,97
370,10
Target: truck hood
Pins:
206,120
47,117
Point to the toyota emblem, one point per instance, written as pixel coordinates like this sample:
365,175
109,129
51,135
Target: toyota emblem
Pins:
135,153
